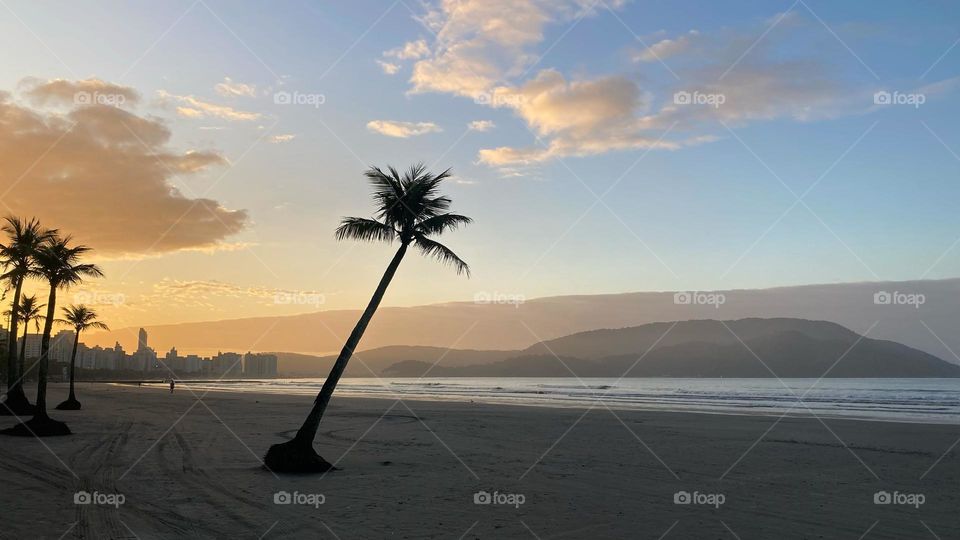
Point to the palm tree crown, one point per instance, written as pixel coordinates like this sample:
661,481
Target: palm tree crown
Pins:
59,263
25,238
81,318
408,209
30,310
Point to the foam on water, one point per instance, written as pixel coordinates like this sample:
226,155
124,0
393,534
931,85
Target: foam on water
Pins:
909,400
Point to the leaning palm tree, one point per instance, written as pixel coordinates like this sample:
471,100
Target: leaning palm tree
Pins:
59,264
29,312
80,318
409,210
24,238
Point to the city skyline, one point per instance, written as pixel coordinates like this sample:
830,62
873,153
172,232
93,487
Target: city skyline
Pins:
224,365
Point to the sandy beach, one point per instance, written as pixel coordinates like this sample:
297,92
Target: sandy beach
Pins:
168,466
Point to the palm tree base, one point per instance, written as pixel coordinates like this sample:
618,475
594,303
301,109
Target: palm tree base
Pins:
295,457
69,405
38,427
16,404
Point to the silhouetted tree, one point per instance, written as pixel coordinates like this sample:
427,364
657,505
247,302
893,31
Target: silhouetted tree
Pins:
28,312
59,264
80,318
409,210
17,255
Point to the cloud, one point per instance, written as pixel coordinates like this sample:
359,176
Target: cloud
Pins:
206,289
667,48
578,118
481,125
70,93
104,174
388,68
480,43
282,138
486,50
196,108
230,88
402,129
410,50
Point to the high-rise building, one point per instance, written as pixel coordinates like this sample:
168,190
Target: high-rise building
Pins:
174,361
227,365
191,363
259,366
61,346
119,357
143,360
32,345
142,340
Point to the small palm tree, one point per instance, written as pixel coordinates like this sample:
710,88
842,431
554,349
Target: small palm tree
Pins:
58,262
17,255
29,312
409,210
80,318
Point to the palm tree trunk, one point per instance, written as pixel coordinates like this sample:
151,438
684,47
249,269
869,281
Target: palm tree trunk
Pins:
16,401
41,406
12,345
73,365
23,351
308,431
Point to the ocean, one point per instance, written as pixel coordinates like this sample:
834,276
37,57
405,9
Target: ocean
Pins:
897,400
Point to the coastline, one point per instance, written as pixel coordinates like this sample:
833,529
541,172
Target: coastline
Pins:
189,467
883,400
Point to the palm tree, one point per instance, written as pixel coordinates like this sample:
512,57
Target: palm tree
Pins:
59,264
29,312
408,210
80,318
17,257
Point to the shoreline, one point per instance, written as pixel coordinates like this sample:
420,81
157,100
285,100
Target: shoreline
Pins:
851,411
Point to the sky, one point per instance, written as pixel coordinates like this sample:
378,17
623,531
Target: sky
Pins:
207,149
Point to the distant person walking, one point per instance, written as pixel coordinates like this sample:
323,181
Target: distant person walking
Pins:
172,385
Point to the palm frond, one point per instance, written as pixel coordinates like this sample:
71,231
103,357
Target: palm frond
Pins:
387,192
442,253
437,225
365,230
58,262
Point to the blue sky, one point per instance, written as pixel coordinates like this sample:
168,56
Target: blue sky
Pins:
587,105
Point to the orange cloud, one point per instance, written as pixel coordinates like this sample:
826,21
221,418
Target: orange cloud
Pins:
85,92
103,174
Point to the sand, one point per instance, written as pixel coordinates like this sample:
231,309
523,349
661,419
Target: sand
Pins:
412,469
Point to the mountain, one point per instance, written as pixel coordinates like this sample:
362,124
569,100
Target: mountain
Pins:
491,326
373,362
746,348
